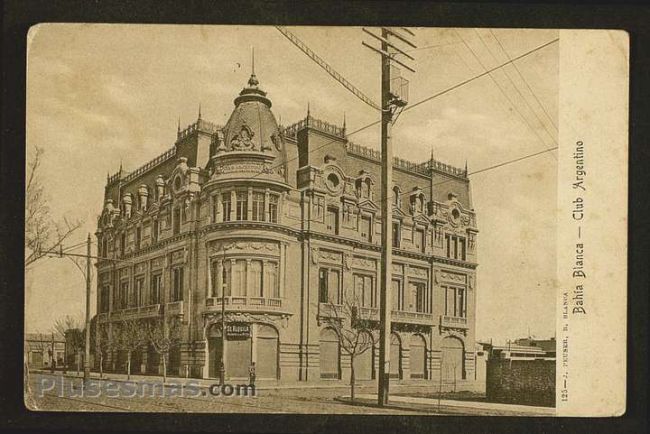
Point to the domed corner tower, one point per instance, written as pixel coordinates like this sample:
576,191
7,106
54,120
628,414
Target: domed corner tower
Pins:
250,147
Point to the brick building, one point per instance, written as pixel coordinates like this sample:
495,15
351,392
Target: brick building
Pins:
275,222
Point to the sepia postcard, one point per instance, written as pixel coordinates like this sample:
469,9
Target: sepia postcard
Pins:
331,220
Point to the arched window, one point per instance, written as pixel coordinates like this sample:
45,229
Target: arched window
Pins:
330,355
364,362
418,356
453,359
267,352
368,188
397,198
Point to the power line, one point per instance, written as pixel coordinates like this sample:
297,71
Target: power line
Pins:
502,90
432,46
422,101
483,170
552,136
483,74
524,80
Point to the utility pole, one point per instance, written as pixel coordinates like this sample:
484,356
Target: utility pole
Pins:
394,95
385,307
87,352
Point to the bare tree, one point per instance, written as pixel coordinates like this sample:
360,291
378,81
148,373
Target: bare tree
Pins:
42,234
131,335
70,329
353,325
103,344
164,336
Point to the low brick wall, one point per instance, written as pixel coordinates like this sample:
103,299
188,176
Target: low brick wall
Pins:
530,382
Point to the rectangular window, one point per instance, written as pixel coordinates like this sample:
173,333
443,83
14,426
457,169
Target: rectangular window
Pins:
177,285
226,206
398,296
177,221
329,286
258,206
273,208
418,239
366,228
138,292
227,278
462,254
333,220
138,237
238,278
105,249
396,234
273,288
124,294
156,286
122,243
455,302
322,286
318,208
420,292
154,231
242,205
104,301
364,290
256,284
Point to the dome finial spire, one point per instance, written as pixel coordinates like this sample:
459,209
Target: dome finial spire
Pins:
199,111
253,81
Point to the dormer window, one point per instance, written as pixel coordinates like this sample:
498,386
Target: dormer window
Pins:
364,186
417,202
397,196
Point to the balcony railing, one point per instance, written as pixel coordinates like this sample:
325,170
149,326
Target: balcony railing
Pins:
372,313
453,321
244,303
174,308
412,317
151,310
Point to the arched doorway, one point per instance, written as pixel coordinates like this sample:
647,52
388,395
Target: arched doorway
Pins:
363,363
418,356
453,355
267,352
330,359
237,355
395,356
215,349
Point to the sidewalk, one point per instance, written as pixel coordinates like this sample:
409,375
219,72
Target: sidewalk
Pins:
453,406
207,382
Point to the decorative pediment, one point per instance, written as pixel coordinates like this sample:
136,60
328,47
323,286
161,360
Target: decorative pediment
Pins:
421,219
368,205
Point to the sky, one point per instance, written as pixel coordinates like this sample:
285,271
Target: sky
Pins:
101,95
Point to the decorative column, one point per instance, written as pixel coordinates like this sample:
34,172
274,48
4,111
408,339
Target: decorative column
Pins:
233,205
249,204
218,215
281,268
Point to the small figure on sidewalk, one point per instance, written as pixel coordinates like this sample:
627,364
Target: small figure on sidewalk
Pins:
251,374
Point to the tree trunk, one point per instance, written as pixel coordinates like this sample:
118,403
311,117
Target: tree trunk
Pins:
164,361
128,365
101,364
352,379
78,356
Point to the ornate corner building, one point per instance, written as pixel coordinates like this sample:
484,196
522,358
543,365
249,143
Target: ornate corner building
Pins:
268,224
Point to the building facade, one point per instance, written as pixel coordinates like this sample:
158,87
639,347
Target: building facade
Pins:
272,224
